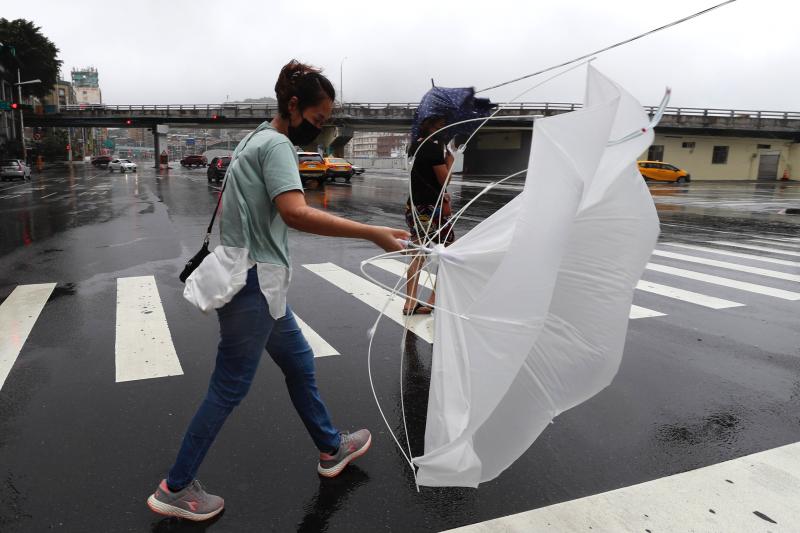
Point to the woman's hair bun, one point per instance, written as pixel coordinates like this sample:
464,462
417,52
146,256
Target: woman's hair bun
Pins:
304,81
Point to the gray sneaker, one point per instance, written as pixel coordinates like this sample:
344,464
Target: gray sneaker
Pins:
352,446
192,502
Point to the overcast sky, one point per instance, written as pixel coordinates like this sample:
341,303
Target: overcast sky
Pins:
744,55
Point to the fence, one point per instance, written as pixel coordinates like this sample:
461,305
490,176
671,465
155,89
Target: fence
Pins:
380,162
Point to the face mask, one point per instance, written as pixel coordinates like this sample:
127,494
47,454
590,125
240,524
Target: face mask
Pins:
304,133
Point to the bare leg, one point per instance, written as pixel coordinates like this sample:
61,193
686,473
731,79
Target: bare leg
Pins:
412,283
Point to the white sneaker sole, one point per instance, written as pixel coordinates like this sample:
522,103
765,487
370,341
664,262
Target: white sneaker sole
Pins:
338,467
170,510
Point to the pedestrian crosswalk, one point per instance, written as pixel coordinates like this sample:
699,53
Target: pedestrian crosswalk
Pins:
679,277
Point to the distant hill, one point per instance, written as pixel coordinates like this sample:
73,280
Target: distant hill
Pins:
262,100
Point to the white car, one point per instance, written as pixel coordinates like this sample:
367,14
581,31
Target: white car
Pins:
11,169
123,165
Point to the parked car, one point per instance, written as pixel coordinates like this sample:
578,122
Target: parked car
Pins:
312,167
194,161
336,167
217,168
11,169
101,161
123,165
357,170
659,171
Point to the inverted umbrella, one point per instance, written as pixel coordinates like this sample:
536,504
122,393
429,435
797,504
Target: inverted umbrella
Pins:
454,104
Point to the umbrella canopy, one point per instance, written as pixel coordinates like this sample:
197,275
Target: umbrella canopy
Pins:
454,104
538,295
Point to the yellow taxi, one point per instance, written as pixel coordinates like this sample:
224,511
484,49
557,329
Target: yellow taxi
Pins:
338,168
660,171
312,167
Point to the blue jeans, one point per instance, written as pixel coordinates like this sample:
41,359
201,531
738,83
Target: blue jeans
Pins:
246,328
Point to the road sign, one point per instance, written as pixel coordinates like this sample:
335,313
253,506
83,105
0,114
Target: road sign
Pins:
189,142
5,106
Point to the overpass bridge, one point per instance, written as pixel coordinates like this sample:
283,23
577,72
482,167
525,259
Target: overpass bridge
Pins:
392,116
398,116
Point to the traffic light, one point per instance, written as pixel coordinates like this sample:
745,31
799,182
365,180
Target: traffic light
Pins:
217,117
14,105
128,121
21,107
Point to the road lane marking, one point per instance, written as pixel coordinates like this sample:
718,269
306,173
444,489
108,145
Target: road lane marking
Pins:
784,262
374,296
722,497
731,266
319,346
143,345
48,195
399,269
757,248
18,314
725,282
683,295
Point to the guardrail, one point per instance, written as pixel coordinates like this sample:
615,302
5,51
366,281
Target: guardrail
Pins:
349,107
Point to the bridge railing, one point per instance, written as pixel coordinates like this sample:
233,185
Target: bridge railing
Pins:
546,108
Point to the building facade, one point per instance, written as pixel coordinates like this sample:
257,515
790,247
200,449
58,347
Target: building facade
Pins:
372,144
63,94
87,85
708,157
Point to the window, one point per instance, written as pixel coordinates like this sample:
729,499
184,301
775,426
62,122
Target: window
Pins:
656,153
720,155
764,146
689,145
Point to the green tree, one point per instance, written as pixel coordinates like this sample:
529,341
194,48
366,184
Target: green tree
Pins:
25,47
54,145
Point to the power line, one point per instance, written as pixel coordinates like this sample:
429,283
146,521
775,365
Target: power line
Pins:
615,45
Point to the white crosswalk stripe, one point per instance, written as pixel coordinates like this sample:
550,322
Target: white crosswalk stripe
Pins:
766,480
686,296
642,312
319,346
18,314
398,268
143,345
757,248
725,282
752,257
783,244
731,266
374,296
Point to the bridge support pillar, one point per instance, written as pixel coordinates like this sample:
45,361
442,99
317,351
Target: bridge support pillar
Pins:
159,143
333,139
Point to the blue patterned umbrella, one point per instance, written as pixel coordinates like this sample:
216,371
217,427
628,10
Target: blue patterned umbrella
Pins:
454,104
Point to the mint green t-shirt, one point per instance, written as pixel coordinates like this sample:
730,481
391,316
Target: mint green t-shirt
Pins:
263,166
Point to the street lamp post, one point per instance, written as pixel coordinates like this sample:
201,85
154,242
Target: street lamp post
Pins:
19,85
341,86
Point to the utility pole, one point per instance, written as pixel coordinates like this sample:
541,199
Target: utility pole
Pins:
341,86
21,122
19,85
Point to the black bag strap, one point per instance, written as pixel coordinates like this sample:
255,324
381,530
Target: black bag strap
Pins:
224,183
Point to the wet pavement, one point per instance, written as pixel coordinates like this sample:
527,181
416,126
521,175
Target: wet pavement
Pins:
81,452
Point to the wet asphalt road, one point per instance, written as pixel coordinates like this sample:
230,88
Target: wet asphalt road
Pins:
80,452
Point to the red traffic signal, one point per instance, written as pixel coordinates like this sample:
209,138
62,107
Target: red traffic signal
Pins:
128,122
14,105
69,147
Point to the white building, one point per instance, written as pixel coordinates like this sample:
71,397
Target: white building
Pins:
87,86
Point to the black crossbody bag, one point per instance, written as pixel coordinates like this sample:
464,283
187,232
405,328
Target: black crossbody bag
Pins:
197,258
